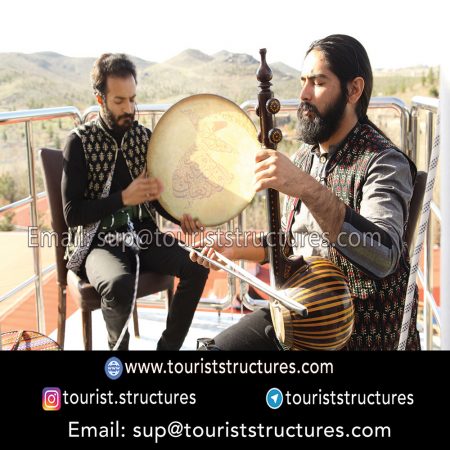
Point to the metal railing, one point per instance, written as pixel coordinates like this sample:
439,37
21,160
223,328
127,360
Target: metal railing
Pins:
291,105
430,107
154,111
27,117
394,103
408,139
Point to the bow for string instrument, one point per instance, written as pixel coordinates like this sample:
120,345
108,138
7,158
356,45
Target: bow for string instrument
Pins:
315,282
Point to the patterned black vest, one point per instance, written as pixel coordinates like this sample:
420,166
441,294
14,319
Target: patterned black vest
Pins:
378,303
100,151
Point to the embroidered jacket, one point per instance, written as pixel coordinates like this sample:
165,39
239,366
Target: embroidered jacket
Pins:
100,151
378,304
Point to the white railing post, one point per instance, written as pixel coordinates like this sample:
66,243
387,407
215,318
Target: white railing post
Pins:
444,95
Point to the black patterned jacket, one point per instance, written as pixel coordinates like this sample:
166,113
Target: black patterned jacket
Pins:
378,304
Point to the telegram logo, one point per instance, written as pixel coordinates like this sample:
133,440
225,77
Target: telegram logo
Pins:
274,398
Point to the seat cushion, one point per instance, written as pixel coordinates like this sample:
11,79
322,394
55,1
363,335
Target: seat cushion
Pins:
88,298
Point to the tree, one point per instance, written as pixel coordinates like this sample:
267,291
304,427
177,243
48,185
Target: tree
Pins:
430,77
14,187
6,222
434,92
8,187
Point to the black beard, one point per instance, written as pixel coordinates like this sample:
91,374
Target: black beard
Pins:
322,126
113,123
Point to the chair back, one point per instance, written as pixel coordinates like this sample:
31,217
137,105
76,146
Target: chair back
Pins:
52,165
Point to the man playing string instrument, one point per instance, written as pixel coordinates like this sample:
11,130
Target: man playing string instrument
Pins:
349,184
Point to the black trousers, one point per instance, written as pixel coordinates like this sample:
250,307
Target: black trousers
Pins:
253,332
111,270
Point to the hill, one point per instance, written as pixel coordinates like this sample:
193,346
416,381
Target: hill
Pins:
49,79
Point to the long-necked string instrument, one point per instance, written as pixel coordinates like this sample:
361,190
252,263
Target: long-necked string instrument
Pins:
312,281
203,149
234,269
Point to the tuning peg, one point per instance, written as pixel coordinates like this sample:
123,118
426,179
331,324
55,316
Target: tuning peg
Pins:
259,137
275,135
273,105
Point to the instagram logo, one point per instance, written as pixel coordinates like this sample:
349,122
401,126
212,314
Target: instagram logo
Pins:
51,399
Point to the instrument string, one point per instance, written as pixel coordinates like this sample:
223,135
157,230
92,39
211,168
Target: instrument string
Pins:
234,269
134,245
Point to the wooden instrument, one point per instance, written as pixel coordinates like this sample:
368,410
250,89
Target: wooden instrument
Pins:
315,282
203,151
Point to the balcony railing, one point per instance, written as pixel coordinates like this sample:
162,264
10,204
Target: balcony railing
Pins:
409,126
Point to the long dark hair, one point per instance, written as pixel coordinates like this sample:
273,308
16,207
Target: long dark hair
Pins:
348,59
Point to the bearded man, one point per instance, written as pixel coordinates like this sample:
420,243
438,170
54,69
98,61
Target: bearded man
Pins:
349,185
105,192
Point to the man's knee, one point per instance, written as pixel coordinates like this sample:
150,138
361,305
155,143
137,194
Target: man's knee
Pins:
117,292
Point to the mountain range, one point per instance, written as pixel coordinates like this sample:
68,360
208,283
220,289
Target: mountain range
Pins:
48,79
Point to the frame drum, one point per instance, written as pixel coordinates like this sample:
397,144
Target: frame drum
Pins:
203,151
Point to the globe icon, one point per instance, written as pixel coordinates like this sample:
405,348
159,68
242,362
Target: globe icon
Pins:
113,368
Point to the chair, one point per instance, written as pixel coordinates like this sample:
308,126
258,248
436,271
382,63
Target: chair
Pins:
84,294
415,207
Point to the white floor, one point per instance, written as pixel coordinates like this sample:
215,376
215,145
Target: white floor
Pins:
152,322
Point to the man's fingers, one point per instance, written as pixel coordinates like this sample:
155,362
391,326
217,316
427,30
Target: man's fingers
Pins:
200,260
193,256
265,184
210,253
270,161
186,224
202,242
148,187
264,174
263,154
191,224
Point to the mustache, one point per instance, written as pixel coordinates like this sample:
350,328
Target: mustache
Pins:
307,107
126,116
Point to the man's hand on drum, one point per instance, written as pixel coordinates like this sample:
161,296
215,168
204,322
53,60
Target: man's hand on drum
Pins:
193,229
191,226
142,189
275,170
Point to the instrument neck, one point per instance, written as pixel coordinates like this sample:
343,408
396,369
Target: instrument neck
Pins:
281,267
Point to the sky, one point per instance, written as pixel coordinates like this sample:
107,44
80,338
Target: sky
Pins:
395,33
